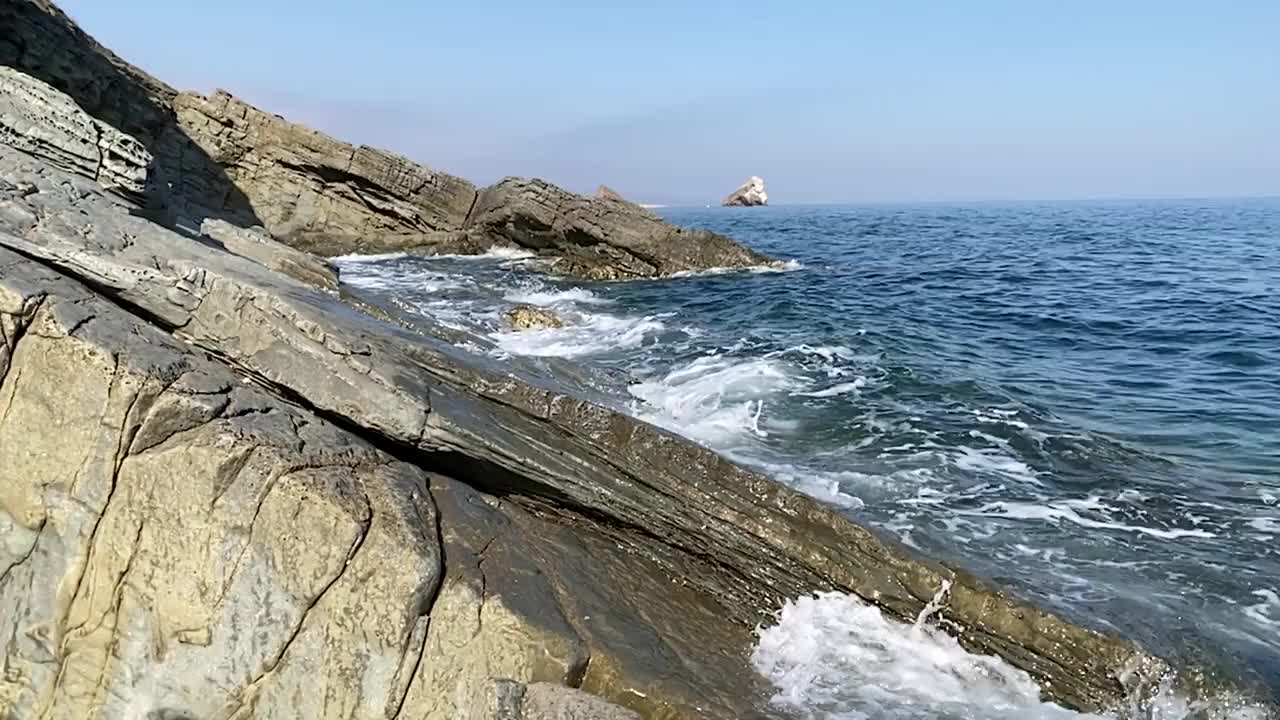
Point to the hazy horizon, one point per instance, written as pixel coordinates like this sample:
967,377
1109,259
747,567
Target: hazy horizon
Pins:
908,102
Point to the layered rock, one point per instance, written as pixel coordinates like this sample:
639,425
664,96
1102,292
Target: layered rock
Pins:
218,156
257,245
749,194
599,239
657,554
227,493
36,118
317,193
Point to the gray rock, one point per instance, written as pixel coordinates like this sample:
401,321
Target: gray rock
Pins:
749,194
510,700
220,157
257,245
632,505
317,193
599,239
42,121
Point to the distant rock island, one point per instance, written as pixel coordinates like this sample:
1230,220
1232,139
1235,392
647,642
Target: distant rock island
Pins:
749,194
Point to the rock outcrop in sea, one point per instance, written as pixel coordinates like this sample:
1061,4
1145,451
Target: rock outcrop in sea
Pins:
749,194
227,491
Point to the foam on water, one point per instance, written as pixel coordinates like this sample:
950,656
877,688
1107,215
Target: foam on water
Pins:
1072,511
714,399
539,294
781,267
834,657
496,252
375,258
583,334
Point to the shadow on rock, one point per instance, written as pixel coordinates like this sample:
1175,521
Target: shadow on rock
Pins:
40,40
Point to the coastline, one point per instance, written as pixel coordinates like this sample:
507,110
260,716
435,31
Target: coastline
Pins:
478,526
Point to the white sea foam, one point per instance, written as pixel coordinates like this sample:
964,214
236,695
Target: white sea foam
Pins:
834,390
497,252
1071,511
583,334
714,399
833,656
781,267
538,294
358,258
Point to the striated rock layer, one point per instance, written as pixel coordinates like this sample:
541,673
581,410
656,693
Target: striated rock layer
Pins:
217,467
227,493
38,119
219,156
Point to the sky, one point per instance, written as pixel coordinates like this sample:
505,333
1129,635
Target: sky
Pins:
679,101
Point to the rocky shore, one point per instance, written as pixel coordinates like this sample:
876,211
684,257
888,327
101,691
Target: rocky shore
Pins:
228,489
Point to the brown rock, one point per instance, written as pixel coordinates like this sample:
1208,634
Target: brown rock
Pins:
599,239
524,317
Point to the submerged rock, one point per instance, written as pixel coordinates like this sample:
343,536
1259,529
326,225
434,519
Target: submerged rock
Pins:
523,317
750,193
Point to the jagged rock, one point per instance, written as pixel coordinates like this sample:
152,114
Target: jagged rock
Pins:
257,245
611,510
523,317
599,239
604,192
219,157
317,193
750,193
42,121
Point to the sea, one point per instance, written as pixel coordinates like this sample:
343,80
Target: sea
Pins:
1077,400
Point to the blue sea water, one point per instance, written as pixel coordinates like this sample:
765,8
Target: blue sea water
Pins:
1078,400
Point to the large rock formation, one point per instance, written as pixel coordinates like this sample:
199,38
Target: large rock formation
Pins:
218,156
416,525
226,493
599,239
750,193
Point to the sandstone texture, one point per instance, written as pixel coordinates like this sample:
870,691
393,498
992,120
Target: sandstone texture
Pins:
227,491
257,245
749,194
44,122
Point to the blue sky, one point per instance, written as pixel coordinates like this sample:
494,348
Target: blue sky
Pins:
678,102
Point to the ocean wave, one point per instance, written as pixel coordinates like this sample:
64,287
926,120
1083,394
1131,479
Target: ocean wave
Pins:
781,267
497,252
358,258
835,657
538,294
716,400
583,334
1071,511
